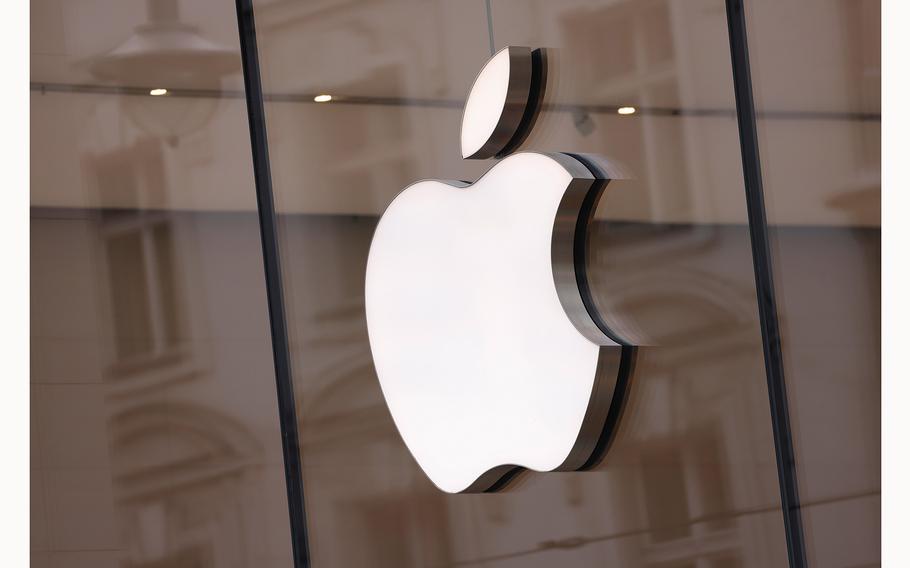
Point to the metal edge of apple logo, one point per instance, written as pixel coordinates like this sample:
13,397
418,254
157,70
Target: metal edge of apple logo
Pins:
523,84
616,358
570,247
570,250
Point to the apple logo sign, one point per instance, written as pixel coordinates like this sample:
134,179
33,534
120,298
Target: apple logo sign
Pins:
490,354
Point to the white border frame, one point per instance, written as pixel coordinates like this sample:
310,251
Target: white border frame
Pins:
895,281
14,153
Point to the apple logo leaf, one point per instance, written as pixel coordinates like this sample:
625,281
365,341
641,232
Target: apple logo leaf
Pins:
503,102
488,350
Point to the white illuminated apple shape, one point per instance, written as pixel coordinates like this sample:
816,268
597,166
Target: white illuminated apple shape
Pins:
485,351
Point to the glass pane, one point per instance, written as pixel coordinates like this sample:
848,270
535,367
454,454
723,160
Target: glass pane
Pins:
154,421
819,125
691,478
129,295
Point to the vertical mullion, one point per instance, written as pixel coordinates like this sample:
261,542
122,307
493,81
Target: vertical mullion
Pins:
764,284
287,412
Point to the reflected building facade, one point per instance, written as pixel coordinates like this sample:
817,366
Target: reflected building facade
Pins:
155,427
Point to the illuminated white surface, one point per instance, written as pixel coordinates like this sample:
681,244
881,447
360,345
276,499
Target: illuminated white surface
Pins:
478,362
485,104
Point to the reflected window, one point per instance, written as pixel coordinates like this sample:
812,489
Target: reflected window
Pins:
666,502
142,278
139,257
712,478
686,497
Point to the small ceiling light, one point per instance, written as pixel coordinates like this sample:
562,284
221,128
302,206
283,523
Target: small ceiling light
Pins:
165,50
322,98
626,110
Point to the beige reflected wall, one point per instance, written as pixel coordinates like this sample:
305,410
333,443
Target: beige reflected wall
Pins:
822,179
155,438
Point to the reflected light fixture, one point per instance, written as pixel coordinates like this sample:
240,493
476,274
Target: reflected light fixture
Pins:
626,110
164,50
322,98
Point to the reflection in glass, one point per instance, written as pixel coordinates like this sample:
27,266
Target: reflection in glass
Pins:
155,440
671,261
822,184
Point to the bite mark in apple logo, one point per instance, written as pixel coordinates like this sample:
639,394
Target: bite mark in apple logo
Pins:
489,351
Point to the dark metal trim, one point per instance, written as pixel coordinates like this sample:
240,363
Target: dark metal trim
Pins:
536,93
628,356
764,284
287,412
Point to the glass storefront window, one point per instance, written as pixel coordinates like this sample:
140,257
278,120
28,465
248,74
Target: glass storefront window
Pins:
155,438
156,431
690,478
818,105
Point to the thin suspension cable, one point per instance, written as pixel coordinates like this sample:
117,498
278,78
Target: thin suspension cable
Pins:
489,4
